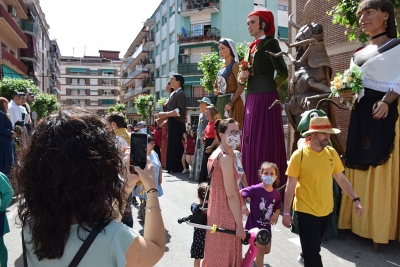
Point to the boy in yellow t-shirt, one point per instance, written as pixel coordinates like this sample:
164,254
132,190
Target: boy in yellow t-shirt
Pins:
309,174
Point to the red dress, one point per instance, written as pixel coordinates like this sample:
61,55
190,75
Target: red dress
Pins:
222,250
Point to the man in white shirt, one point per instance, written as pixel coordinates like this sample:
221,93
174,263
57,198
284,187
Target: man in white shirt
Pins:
15,110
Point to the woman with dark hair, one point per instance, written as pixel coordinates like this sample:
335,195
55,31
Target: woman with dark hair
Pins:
209,141
224,202
6,138
70,179
373,143
227,83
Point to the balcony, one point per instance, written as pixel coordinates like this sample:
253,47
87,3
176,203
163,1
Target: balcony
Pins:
130,111
148,83
136,74
189,7
189,69
139,54
20,8
191,101
17,64
148,63
211,36
149,40
34,79
11,31
29,27
129,94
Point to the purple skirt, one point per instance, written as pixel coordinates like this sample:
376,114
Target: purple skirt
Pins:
263,138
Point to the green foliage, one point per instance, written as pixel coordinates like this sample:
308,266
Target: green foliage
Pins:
162,101
241,49
344,13
209,65
44,105
9,85
141,104
120,107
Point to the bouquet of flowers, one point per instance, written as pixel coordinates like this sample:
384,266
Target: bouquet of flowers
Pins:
18,130
350,80
245,65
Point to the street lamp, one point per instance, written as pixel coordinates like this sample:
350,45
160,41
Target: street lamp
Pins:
149,106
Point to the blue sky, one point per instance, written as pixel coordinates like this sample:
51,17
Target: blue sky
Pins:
96,24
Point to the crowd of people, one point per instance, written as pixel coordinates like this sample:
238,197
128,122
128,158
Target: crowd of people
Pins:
74,176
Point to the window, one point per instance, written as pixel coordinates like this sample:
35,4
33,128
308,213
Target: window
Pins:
94,92
172,10
12,52
94,82
164,44
164,20
94,72
3,45
158,49
172,65
164,69
63,81
157,73
172,38
200,29
94,102
157,27
63,71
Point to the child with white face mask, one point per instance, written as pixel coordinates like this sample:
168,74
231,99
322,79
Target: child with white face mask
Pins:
265,204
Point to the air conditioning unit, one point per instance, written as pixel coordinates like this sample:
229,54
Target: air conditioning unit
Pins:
12,11
184,51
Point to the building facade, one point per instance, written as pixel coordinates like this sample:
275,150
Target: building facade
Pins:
92,82
173,40
138,70
12,38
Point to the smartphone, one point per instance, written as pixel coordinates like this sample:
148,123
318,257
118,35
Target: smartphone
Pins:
138,151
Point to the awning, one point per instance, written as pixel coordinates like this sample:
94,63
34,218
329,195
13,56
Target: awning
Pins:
7,72
107,70
77,70
283,33
94,71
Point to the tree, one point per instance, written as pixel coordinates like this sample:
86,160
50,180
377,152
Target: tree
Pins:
141,104
44,105
241,49
344,13
162,101
209,64
9,85
120,107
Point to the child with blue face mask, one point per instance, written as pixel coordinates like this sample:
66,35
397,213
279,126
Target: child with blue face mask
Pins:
265,204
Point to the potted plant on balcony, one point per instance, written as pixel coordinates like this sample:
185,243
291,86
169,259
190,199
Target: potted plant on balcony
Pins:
211,2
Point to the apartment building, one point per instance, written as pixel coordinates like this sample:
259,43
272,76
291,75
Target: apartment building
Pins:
138,70
12,38
92,82
55,69
338,47
37,55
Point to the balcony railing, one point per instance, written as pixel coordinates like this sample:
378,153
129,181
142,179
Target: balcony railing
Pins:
140,50
129,94
131,111
134,74
148,83
13,24
4,54
189,69
147,61
29,26
199,5
211,35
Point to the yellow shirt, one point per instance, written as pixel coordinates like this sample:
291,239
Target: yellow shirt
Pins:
314,188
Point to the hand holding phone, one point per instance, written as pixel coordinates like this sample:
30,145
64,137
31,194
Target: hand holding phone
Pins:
138,156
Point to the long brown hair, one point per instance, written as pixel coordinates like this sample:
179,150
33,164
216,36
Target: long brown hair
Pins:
2,101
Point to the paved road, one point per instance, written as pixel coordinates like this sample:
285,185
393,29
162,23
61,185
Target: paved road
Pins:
347,251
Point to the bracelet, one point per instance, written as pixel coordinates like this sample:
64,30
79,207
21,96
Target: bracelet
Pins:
242,83
153,207
356,199
152,190
244,207
286,214
151,198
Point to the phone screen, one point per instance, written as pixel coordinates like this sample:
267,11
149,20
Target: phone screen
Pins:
138,150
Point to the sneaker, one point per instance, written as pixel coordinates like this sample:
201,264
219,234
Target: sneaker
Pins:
300,260
185,171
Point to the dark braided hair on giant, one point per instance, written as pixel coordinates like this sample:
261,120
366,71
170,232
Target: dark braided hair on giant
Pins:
69,174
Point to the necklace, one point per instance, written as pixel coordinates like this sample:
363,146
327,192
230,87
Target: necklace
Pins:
378,35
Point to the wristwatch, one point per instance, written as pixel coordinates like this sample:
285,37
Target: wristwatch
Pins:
355,199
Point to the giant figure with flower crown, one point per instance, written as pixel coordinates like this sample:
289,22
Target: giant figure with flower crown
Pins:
263,138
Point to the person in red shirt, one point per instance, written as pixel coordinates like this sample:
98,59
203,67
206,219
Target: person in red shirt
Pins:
210,141
190,147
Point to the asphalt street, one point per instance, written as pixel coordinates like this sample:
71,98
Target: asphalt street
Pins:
347,251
